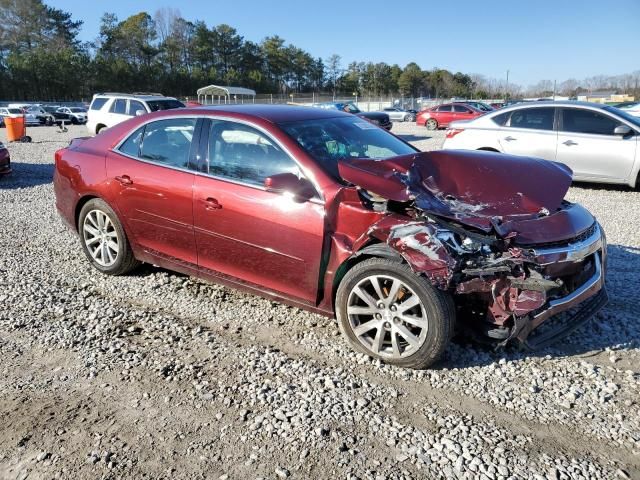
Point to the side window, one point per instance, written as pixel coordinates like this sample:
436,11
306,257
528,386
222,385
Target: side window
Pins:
460,109
134,106
119,106
131,146
587,121
167,142
98,103
242,153
534,118
501,119
444,108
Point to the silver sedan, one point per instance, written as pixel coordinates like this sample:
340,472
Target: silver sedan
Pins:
598,142
400,115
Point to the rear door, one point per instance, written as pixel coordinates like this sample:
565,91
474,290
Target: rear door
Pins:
587,144
265,239
152,183
117,112
531,132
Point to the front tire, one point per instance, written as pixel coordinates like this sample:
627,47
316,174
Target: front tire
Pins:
388,312
103,239
431,124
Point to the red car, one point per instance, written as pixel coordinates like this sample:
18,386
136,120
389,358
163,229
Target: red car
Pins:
325,211
441,116
5,160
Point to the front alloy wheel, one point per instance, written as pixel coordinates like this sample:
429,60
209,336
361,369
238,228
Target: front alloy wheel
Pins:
388,312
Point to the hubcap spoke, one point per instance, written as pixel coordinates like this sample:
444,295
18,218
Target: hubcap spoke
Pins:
376,286
409,303
408,336
365,327
368,299
412,320
394,344
378,340
356,310
393,291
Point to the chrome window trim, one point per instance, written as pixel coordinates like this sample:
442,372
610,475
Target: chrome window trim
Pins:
311,178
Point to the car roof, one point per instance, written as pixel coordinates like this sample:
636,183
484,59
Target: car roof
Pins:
276,113
133,95
554,103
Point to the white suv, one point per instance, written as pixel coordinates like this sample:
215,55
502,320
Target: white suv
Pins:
109,109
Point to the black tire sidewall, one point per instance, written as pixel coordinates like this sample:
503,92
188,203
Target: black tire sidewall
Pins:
438,308
125,255
429,122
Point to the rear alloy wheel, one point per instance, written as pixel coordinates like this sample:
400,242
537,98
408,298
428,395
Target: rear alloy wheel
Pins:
409,118
103,239
431,124
388,312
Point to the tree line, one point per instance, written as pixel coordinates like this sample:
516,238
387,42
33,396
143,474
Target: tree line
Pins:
42,58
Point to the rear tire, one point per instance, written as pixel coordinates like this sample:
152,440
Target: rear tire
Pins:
409,328
100,128
431,124
103,239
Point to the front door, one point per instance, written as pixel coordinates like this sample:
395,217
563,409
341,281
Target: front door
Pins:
587,144
153,188
270,240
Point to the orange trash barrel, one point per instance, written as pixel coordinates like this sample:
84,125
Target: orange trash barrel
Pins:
15,128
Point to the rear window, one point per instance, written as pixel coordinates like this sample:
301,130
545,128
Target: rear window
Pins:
98,103
156,105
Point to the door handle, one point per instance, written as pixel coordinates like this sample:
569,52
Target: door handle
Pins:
569,143
212,204
124,179
510,138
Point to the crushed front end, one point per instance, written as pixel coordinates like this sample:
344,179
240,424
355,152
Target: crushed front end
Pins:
520,262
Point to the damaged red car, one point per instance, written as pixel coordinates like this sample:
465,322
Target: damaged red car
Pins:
325,211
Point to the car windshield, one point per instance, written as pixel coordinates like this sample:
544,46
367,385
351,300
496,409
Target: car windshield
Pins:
328,140
14,110
350,108
156,105
77,110
627,116
51,109
482,106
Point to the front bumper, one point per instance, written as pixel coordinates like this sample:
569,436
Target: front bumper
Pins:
580,304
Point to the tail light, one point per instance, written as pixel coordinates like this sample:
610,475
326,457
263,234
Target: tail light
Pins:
452,132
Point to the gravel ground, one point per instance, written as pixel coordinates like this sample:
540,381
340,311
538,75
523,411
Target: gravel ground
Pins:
158,375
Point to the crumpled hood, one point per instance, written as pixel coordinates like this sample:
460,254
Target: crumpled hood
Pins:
486,190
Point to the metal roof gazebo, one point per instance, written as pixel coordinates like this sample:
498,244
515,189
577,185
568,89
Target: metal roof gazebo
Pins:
213,94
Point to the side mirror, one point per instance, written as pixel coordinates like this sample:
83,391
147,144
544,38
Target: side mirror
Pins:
140,112
622,130
300,188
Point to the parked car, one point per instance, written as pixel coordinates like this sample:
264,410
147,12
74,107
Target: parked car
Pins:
480,106
380,119
77,115
109,109
632,109
441,116
325,211
5,160
29,118
58,116
44,117
599,143
624,104
400,114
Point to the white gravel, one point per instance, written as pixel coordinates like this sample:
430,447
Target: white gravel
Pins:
158,375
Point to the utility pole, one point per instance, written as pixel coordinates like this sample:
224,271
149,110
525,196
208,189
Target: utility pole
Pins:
554,89
506,88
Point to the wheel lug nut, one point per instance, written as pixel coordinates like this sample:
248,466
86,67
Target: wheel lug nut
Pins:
378,316
393,308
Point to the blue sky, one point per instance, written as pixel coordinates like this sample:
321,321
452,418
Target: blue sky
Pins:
535,40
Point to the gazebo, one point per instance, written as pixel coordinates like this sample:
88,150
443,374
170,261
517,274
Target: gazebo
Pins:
215,94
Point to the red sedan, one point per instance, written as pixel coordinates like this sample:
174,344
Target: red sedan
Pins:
325,211
441,116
